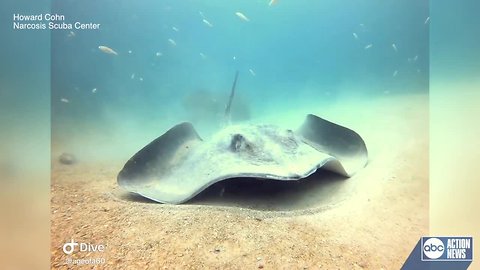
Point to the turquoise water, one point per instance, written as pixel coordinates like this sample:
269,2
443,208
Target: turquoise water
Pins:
286,54
289,54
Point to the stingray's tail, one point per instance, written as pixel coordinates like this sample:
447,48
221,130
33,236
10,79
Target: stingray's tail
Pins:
227,116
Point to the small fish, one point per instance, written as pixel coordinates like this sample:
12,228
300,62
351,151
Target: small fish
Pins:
252,72
64,100
395,73
355,35
242,16
158,54
203,56
107,50
201,14
94,90
71,34
368,46
175,29
394,47
427,20
207,23
272,2
172,42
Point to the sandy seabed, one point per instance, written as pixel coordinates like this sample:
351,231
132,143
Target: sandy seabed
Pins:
370,221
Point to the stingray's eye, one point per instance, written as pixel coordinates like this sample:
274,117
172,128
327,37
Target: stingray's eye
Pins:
237,141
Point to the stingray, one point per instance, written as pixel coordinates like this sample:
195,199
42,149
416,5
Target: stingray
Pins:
179,164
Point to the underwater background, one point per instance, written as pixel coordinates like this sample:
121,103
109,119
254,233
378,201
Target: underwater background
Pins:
177,60
26,99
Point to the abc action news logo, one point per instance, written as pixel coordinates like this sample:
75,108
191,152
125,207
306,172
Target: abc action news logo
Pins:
447,248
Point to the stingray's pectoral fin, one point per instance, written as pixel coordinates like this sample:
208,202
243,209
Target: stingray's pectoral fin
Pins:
340,142
153,160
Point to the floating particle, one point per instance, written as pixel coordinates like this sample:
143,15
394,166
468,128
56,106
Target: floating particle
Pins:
132,76
395,73
207,23
64,100
394,47
107,50
413,59
252,72
242,16
158,54
175,29
368,46
203,56
94,90
355,35
140,79
427,20
172,42
234,58
71,34
201,14
130,51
